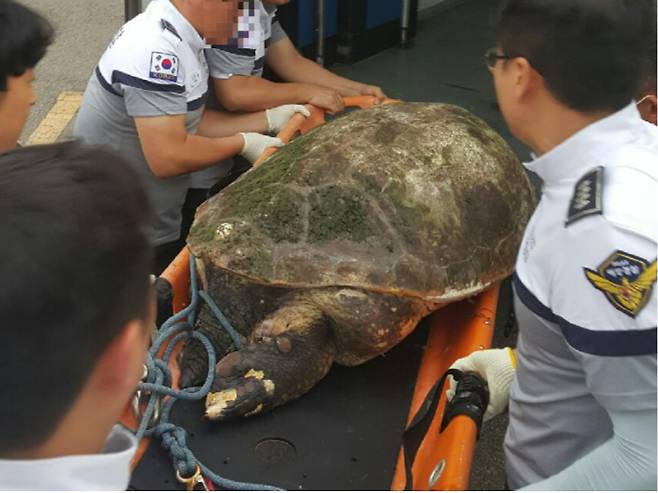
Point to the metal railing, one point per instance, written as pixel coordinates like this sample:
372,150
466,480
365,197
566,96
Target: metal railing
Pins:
132,8
320,31
405,22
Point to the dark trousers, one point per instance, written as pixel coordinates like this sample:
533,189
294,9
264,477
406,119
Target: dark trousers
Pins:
165,254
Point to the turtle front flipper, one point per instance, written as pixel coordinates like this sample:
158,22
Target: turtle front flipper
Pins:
288,353
193,360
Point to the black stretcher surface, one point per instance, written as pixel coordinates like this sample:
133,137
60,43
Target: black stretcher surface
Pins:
343,435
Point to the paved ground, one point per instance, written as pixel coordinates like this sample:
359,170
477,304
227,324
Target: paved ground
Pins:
445,64
84,28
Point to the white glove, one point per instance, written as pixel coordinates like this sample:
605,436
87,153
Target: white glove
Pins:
497,368
278,117
255,144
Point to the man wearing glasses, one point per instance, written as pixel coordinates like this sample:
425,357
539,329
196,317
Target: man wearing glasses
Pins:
581,384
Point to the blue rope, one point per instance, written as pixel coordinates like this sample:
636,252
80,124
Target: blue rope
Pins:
237,339
174,438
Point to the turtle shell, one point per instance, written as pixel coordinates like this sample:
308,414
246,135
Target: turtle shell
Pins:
412,199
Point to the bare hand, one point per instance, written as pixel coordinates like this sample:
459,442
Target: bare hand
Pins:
373,91
328,100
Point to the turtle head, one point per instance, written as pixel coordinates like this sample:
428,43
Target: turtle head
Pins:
288,353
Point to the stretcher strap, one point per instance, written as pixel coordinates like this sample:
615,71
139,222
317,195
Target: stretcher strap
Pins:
471,399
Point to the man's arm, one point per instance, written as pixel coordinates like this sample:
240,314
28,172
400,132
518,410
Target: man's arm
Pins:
250,93
171,151
615,349
221,124
625,462
291,66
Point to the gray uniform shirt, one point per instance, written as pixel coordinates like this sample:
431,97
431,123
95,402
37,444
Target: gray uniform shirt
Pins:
585,298
155,66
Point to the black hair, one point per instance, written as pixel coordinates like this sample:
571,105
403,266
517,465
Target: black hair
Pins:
24,39
648,84
74,269
589,52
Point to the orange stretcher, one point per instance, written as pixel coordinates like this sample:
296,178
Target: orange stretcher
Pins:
443,460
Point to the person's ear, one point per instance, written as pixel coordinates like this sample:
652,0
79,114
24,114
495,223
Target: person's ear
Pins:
525,78
653,109
119,368
649,108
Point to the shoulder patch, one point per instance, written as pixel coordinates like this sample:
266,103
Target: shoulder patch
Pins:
164,66
626,280
168,26
587,197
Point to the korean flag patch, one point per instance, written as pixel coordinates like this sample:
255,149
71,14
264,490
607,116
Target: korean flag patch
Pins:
164,66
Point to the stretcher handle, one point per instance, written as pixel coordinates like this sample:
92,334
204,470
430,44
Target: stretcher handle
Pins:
299,124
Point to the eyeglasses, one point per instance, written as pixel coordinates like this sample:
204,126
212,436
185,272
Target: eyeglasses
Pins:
491,57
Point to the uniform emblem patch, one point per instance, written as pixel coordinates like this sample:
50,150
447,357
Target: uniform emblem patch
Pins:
587,199
164,66
626,280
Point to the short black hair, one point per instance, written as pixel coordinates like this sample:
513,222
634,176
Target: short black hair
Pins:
24,39
648,84
589,52
75,260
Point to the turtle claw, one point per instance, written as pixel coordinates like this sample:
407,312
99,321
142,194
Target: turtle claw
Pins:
246,395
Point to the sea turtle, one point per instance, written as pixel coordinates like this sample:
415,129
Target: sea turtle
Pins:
337,246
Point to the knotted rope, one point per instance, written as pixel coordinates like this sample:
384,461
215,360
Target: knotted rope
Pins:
163,396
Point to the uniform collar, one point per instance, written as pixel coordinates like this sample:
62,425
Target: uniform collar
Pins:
171,14
269,8
109,471
587,147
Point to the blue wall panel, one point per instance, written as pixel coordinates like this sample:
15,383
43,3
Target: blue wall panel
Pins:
307,18
383,11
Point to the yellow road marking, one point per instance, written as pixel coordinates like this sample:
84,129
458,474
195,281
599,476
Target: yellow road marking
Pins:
60,115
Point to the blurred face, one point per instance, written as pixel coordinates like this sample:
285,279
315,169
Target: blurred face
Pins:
15,105
217,19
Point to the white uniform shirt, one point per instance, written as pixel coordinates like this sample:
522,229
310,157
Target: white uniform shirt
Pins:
585,297
155,66
108,471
